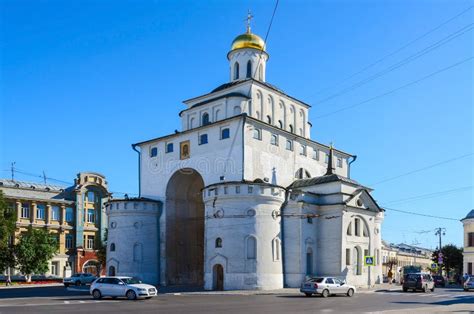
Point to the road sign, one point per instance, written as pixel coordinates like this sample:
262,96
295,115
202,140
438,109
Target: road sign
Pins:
434,266
369,261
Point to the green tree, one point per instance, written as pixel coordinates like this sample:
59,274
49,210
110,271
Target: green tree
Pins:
102,252
7,230
34,250
452,259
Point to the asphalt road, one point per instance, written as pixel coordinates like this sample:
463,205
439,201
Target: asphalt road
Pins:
61,300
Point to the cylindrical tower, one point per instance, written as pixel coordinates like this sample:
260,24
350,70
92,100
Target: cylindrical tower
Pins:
242,236
133,238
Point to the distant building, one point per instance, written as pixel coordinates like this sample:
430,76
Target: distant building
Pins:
396,256
75,215
468,253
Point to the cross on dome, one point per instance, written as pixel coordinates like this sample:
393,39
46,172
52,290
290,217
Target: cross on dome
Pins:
249,19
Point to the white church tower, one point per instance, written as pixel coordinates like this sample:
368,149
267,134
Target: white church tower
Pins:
247,199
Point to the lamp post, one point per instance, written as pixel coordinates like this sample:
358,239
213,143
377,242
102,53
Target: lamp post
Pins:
439,232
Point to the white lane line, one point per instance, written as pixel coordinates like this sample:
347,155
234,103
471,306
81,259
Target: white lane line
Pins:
51,304
66,302
82,301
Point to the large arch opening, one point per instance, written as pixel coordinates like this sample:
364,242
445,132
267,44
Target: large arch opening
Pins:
185,229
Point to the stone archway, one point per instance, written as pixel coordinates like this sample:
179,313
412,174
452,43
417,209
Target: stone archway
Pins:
185,228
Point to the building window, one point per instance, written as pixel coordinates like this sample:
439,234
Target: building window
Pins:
274,139
218,242
112,247
225,190
309,219
69,239
91,215
153,152
289,144
236,71
69,214
339,162
225,133
348,257
309,261
111,271
249,69
55,212
202,139
357,227
54,268
251,248
25,210
257,134
91,197
205,118
303,150
470,239
40,209
276,249
315,154
237,189
169,148
90,242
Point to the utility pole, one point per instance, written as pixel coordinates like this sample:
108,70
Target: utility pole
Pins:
439,232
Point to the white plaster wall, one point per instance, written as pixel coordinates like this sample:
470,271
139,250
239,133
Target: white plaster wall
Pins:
242,56
234,227
131,223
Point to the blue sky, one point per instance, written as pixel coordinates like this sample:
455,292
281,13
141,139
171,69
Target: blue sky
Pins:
82,80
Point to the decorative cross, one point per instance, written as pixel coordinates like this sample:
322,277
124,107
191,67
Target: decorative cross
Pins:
248,19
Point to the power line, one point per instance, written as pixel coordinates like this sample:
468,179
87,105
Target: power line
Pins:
430,195
396,89
422,169
418,214
397,50
401,63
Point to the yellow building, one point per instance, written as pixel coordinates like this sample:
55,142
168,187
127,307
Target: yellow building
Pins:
75,215
468,253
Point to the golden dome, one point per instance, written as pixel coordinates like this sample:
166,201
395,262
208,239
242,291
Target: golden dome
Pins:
248,40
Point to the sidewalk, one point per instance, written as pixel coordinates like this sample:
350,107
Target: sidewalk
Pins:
31,285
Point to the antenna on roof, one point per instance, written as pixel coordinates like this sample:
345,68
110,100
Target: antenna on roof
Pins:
44,177
13,170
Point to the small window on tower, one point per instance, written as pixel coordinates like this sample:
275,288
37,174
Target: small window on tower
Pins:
236,71
169,147
249,69
153,152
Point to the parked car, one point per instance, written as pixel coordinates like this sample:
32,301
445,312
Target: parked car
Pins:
129,287
79,279
469,283
439,281
326,286
418,281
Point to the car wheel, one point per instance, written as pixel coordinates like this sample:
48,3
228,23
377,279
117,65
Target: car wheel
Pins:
131,295
96,294
66,285
308,294
350,292
325,293
405,289
432,289
78,283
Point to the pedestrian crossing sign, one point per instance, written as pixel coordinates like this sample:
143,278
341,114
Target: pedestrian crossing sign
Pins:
369,261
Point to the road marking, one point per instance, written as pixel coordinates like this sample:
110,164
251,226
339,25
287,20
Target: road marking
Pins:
66,302
82,301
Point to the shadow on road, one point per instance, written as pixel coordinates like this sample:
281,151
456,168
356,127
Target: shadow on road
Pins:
34,292
455,300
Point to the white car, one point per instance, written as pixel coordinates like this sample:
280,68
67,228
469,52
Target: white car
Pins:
128,287
326,286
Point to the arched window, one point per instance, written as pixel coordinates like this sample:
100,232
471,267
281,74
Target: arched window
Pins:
236,71
205,118
218,242
274,139
309,261
249,69
112,271
217,115
251,248
257,134
357,261
260,73
137,252
269,120
276,249
191,123
112,247
291,128
280,124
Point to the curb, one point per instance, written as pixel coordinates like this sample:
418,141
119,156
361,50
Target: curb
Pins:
32,286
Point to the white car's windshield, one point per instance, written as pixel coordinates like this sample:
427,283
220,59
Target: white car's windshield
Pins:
131,281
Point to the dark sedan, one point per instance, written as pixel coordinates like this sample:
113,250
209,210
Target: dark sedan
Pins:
439,281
